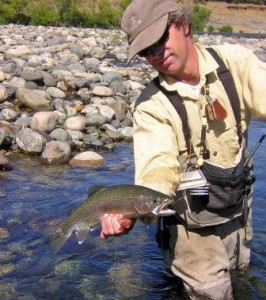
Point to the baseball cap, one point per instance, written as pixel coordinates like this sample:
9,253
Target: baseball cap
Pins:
144,22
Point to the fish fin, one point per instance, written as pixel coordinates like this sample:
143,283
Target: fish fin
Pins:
55,237
50,230
147,219
81,234
94,189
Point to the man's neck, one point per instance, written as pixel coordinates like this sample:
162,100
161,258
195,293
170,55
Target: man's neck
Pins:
191,74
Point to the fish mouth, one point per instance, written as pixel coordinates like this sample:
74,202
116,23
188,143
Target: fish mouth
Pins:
162,210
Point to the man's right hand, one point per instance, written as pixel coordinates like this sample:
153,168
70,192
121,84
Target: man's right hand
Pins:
115,224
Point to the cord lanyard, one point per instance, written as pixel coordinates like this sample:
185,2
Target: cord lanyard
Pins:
204,152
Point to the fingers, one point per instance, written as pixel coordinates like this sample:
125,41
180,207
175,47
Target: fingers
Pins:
113,225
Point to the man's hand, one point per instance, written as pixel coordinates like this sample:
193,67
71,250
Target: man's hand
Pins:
115,224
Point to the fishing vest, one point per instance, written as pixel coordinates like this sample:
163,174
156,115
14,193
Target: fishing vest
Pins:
228,186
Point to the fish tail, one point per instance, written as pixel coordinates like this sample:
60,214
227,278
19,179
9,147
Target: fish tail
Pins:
55,237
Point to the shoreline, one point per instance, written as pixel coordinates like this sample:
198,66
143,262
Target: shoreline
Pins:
65,91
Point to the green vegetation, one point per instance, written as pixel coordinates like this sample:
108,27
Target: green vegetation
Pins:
85,13
200,17
226,29
81,13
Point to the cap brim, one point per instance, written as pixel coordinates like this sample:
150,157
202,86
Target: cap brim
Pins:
148,37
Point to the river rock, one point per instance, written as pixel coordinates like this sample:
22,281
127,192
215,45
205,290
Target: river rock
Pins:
5,163
8,114
16,82
30,141
60,134
120,109
2,76
56,152
17,52
56,92
103,91
107,112
87,159
44,121
3,93
33,99
4,233
75,123
75,134
32,75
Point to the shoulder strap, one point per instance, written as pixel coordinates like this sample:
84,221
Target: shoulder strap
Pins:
173,97
228,83
179,106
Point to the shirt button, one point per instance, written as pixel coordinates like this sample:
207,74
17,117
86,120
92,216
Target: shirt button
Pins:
215,153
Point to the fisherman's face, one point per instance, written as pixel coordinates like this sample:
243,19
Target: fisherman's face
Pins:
171,55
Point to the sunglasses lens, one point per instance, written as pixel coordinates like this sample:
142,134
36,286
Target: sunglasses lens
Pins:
143,53
153,49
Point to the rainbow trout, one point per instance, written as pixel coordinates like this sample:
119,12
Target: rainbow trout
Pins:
132,201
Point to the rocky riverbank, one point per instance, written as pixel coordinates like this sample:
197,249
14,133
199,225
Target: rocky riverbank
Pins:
67,91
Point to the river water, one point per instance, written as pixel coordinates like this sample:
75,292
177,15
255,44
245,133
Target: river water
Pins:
126,267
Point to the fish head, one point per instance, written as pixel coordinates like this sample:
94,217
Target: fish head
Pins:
155,205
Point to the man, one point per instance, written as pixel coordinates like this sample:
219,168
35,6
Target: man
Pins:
211,234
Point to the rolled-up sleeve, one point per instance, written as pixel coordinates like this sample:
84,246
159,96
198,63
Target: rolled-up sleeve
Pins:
249,75
155,149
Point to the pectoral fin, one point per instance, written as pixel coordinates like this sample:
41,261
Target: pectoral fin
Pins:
81,234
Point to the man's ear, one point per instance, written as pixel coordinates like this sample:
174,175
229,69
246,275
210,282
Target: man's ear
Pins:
186,29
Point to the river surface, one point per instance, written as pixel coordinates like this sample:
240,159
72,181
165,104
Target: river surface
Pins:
126,267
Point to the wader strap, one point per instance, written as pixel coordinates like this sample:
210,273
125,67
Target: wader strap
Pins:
179,106
228,83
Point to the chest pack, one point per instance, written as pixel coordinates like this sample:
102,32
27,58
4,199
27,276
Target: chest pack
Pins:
227,186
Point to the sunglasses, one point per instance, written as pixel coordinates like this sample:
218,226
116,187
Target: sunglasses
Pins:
153,48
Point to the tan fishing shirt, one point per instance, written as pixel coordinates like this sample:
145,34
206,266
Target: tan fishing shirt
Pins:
158,137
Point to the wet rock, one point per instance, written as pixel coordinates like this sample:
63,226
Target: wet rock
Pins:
5,163
4,233
68,269
8,291
56,152
87,159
